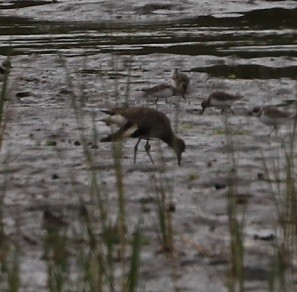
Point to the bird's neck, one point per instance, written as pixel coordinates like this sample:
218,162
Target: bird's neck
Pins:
169,139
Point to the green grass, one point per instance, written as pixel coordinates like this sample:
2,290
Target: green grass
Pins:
9,252
284,194
108,244
100,251
236,220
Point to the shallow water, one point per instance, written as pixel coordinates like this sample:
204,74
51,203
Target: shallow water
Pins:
252,44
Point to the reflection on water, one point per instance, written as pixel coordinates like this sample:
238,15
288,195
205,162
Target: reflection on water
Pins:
249,71
20,4
255,34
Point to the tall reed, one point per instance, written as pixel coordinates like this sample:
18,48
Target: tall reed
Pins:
280,177
9,253
106,253
235,219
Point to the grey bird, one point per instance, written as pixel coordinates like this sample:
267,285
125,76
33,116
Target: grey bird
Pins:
180,81
221,100
272,116
4,66
143,123
162,90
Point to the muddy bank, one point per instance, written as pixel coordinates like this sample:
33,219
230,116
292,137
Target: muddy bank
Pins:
43,156
130,11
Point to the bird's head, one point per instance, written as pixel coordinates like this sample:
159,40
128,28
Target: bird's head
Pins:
175,73
255,111
205,104
179,147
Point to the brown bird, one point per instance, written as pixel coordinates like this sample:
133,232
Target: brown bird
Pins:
180,81
272,116
52,221
220,99
4,66
143,123
162,90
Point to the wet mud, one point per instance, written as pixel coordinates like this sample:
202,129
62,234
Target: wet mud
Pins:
232,47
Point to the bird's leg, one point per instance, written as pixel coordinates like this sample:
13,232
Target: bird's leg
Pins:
222,110
274,128
135,149
183,95
147,148
231,110
156,102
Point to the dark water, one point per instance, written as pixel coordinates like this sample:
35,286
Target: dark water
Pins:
269,33
20,4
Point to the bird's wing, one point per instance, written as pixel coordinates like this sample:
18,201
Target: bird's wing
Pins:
275,112
124,132
108,111
140,132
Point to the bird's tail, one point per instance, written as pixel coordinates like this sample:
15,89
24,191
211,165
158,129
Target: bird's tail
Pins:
238,96
128,130
107,111
145,92
106,139
112,137
106,121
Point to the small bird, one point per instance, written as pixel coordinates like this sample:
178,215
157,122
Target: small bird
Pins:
143,123
272,116
52,221
220,99
162,90
4,66
2,69
180,81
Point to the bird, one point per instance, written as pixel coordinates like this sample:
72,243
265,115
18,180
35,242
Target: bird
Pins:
180,81
272,116
143,123
220,99
4,66
162,90
2,69
52,221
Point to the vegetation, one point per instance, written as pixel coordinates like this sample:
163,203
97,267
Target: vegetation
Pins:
102,247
